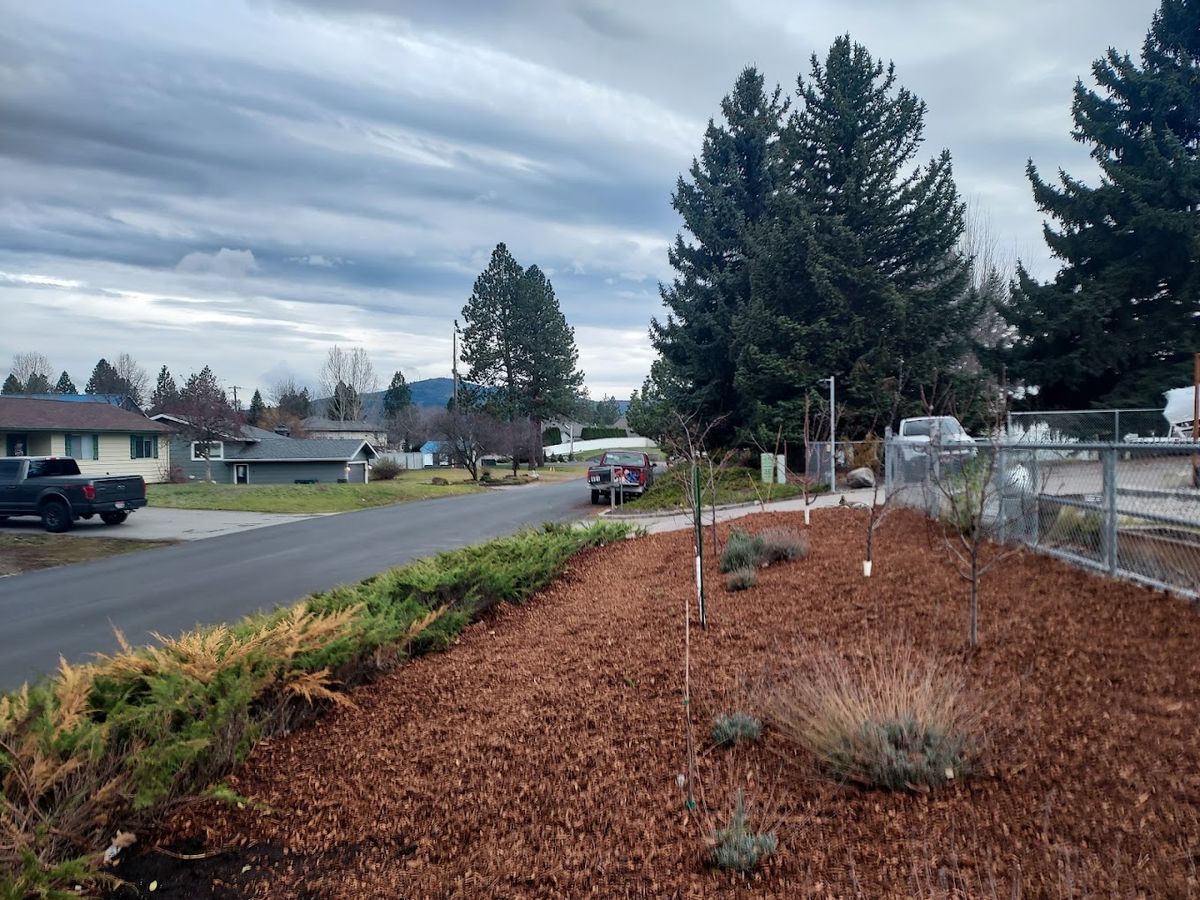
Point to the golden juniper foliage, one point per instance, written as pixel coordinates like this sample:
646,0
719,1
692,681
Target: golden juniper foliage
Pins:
109,744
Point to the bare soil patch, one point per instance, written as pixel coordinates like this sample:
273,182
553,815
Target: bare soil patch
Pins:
27,552
539,756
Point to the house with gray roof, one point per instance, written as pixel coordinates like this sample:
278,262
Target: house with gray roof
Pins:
256,456
333,430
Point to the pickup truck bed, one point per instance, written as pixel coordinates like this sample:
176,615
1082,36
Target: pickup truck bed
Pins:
624,473
52,489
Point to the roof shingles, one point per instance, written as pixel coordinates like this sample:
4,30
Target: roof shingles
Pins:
27,414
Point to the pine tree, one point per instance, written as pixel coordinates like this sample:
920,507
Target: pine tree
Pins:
344,405
607,411
396,398
38,383
1120,321
65,384
854,270
208,417
729,191
166,394
12,385
518,343
105,380
257,407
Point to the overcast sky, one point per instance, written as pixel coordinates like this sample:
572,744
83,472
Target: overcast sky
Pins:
242,184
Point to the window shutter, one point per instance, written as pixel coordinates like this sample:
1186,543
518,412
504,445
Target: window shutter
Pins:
95,446
133,446
155,445
67,445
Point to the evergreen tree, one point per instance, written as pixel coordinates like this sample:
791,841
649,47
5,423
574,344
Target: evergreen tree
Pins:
1119,323
294,402
729,192
65,384
208,417
854,271
257,407
344,405
396,398
37,384
166,394
518,344
607,411
548,378
12,385
105,380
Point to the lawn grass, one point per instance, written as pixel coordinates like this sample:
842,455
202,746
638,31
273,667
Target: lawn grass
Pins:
672,490
26,552
311,498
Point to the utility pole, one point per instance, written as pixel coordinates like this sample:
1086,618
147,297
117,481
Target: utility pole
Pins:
235,388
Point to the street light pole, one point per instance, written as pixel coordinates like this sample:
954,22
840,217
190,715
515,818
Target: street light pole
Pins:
832,433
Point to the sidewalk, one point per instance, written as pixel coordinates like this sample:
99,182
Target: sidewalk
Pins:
655,523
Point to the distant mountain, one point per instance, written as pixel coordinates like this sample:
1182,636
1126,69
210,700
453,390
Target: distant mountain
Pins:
431,392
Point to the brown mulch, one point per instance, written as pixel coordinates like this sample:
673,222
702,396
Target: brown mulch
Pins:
539,756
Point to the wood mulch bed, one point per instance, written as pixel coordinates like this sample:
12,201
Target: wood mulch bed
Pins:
539,756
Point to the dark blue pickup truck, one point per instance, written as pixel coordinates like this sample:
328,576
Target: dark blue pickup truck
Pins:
51,488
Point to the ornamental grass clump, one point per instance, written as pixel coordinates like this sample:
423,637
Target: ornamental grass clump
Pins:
730,729
738,848
741,579
742,551
892,718
782,545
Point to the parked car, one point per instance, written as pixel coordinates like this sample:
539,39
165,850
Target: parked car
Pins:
630,472
51,488
918,434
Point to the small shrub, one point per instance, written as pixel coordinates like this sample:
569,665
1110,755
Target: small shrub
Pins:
738,848
783,544
730,728
385,470
742,551
896,719
741,579
439,480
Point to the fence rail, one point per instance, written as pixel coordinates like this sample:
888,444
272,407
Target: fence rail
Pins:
1130,510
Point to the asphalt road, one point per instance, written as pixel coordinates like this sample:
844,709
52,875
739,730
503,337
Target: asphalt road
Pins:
71,611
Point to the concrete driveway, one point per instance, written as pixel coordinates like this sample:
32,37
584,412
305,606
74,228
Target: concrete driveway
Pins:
160,524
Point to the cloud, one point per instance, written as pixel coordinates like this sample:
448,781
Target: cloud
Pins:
373,153
230,263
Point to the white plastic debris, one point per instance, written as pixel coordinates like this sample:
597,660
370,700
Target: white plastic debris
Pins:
123,840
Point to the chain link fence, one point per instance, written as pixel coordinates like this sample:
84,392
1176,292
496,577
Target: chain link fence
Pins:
1106,426
1130,510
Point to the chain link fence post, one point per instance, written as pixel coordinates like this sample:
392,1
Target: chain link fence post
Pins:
1109,458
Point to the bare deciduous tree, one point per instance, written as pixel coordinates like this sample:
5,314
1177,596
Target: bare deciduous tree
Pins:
137,381
345,376
26,365
470,432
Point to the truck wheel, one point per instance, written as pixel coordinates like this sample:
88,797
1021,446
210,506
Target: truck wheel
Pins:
113,518
595,497
56,518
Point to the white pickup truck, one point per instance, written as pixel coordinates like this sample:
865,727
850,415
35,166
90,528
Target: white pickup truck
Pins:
946,432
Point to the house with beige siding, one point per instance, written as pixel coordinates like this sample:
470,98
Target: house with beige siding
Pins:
104,439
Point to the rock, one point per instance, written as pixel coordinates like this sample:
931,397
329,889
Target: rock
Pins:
860,478
439,480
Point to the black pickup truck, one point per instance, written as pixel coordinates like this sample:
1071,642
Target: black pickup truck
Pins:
51,488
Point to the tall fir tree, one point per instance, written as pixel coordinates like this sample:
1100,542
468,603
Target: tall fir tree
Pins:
12,385
257,407
38,383
491,341
397,398
728,192
519,347
1119,323
105,380
65,385
854,270
166,393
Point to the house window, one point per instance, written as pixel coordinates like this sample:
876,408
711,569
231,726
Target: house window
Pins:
83,446
216,450
143,446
